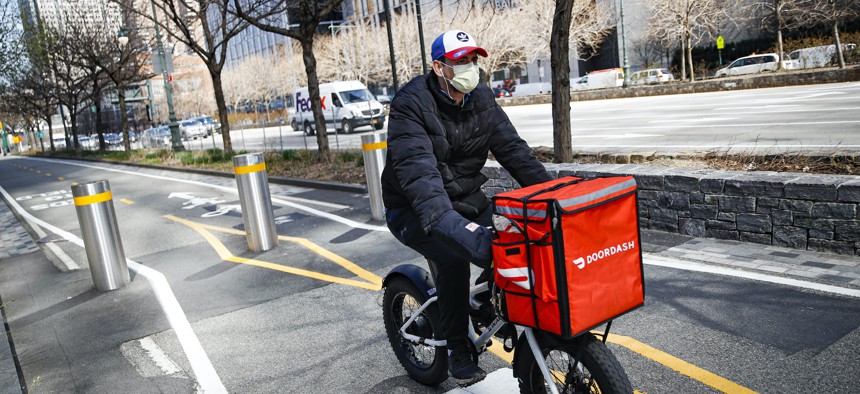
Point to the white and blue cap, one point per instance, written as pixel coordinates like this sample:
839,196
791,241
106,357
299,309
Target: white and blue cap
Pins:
454,44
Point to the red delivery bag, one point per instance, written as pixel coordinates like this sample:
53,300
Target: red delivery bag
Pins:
568,258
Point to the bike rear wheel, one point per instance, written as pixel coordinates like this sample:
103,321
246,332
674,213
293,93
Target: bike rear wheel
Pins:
597,370
424,363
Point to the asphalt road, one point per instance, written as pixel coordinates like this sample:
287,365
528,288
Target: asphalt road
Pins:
810,119
303,318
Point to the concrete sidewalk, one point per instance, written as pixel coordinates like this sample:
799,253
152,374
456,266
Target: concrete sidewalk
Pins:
29,283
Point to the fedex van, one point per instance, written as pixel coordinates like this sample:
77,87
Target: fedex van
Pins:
345,106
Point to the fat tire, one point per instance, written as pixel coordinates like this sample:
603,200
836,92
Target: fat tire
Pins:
597,359
437,371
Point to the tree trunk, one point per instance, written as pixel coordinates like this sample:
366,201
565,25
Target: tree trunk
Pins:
779,46
73,119
222,111
690,57
97,103
839,53
314,91
124,119
683,60
50,134
559,44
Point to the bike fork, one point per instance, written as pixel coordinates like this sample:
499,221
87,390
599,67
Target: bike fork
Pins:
541,363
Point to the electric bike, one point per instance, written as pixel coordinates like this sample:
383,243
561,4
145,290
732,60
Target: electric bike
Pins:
543,362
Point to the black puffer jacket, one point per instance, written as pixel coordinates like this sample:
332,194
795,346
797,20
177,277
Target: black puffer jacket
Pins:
436,150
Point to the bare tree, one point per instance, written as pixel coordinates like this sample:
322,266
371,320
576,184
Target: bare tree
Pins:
647,51
832,13
691,21
205,28
562,24
266,15
779,15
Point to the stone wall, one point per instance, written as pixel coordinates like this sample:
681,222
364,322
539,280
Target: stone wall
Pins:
801,211
766,80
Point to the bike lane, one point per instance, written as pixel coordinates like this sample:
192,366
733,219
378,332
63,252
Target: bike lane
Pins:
267,314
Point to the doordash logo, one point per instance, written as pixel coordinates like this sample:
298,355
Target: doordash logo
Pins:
581,262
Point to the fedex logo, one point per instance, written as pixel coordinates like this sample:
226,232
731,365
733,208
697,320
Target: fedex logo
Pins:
304,104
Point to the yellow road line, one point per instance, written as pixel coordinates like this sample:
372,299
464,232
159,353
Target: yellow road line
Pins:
59,178
127,201
47,174
375,281
684,368
706,377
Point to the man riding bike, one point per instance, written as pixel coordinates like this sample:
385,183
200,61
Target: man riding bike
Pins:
442,125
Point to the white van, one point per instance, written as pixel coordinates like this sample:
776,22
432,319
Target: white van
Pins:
608,78
345,104
752,64
528,89
815,57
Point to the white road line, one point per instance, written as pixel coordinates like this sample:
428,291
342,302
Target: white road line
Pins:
206,375
763,146
70,264
692,120
701,126
668,262
326,215
157,355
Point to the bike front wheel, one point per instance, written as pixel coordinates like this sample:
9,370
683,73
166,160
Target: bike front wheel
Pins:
596,371
424,363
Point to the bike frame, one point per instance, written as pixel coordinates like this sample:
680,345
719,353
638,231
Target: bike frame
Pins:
480,341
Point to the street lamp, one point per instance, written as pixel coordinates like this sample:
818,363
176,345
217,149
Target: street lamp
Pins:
122,37
624,49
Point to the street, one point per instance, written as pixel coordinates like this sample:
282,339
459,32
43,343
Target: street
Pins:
814,119
304,316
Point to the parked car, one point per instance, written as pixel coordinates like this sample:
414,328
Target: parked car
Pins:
211,125
651,76
499,92
751,65
86,142
112,139
191,129
157,137
528,89
59,141
607,78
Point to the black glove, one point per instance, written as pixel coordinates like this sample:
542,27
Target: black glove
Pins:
470,239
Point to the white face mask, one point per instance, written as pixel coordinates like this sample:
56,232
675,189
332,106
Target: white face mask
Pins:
466,77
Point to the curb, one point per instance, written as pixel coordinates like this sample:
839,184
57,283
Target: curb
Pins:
341,187
754,81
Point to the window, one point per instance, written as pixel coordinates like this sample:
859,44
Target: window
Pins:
356,96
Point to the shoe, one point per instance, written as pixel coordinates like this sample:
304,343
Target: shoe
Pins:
462,367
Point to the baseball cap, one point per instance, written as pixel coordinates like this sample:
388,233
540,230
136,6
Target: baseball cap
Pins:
454,44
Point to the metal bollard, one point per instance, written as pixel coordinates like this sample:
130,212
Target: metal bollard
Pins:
256,202
94,205
374,147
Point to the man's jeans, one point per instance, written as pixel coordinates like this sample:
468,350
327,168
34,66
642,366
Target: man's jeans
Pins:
451,269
